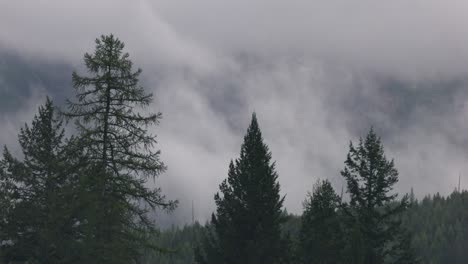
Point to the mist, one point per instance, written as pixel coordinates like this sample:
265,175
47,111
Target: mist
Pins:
318,74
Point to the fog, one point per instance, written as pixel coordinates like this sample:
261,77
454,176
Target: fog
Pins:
317,73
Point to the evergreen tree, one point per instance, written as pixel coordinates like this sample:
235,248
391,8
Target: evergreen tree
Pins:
247,225
438,227
373,210
120,156
209,250
404,252
37,219
320,235
9,199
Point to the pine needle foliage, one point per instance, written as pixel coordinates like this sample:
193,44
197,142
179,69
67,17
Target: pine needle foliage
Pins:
247,225
110,115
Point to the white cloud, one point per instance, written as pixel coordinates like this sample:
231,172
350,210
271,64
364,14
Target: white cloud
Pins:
310,69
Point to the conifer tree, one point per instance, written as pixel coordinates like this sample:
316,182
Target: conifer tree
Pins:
108,113
320,236
37,221
9,199
247,225
373,209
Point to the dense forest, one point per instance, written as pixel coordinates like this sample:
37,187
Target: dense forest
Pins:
80,194
439,226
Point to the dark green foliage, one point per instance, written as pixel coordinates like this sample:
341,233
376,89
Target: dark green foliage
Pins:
179,244
106,113
247,225
440,228
35,192
119,156
404,252
84,200
432,231
209,249
438,225
321,238
372,214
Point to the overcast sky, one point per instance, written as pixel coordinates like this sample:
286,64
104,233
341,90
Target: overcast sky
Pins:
318,74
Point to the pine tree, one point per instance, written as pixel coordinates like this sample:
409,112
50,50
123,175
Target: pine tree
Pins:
320,235
120,156
373,209
38,220
247,225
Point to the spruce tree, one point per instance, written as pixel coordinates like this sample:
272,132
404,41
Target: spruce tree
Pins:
108,113
246,227
320,236
38,222
373,209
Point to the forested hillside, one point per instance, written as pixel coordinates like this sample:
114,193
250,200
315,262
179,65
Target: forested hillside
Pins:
439,226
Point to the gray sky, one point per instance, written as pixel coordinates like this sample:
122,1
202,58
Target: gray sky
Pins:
318,74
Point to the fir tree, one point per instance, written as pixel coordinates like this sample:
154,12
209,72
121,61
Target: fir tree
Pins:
247,225
9,199
38,221
120,156
320,235
373,209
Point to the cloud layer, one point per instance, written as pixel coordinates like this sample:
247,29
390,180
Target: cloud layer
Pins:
318,74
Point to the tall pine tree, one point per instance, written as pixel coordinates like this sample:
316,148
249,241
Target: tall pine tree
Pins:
120,155
320,237
247,225
373,210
